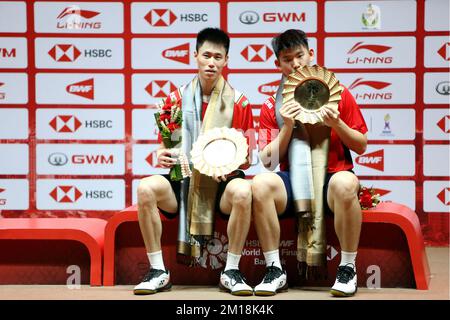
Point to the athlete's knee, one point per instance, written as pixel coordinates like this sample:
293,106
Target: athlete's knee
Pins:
146,192
344,187
261,188
242,194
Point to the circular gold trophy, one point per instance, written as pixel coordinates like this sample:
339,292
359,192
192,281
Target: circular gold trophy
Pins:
313,88
219,151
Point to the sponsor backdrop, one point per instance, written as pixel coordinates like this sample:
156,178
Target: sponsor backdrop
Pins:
79,80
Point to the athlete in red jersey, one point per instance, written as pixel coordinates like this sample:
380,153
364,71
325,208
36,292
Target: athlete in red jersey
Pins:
272,193
234,193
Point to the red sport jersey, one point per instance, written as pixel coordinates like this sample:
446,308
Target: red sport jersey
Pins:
339,157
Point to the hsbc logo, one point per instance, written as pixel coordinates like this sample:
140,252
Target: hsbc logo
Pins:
444,196
256,53
160,88
64,53
179,53
444,51
65,194
71,18
2,94
152,160
65,123
371,95
7,53
84,89
373,160
269,88
372,48
160,17
444,124
2,201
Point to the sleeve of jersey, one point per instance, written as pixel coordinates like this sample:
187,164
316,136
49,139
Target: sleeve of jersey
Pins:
268,127
351,113
245,117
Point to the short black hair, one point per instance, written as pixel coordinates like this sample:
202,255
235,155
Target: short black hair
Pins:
289,39
214,35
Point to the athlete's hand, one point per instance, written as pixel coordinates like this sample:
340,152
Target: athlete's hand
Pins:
330,116
288,112
167,158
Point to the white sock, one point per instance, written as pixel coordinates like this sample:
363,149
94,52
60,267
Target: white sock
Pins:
232,261
156,260
348,257
272,259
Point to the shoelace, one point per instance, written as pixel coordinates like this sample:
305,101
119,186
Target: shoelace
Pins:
272,273
344,274
235,275
153,273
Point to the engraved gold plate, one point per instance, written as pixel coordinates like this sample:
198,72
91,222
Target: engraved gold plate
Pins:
219,151
313,88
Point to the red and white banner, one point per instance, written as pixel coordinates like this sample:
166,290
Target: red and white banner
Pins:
436,159
13,17
390,124
14,123
14,194
144,124
436,124
73,194
14,158
13,88
436,196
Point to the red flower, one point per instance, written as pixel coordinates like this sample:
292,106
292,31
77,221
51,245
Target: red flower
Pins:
172,126
367,198
164,116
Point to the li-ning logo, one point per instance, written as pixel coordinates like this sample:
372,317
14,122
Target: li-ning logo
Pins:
64,53
73,19
179,53
57,159
65,123
160,17
65,194
256,53
363,59
160,88
83,89
373,160
370,95
215,253
249,17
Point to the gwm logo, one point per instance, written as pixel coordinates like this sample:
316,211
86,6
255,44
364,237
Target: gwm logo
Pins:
215,253
373,160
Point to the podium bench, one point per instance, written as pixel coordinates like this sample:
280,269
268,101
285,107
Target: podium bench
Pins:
30,242
391,238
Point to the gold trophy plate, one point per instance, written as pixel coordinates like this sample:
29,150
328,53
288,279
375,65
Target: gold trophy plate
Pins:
313,88
219,151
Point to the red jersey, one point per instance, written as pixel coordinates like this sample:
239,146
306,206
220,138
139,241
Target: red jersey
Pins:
339,157
242,114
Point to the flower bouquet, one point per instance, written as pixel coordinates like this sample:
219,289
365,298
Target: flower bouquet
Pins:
168,120
368,198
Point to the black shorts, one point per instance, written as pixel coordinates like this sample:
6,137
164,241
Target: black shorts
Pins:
284,175
176,187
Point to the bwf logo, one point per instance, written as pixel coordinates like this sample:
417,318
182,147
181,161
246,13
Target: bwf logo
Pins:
84,89
373,160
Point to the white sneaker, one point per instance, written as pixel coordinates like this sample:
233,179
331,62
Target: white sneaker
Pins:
275,280
155,280
346,282
234,282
